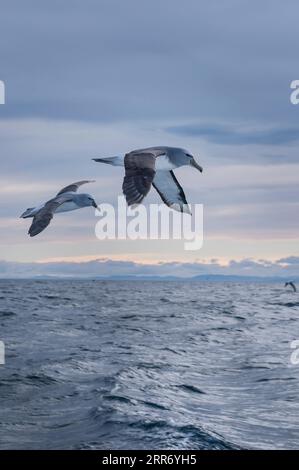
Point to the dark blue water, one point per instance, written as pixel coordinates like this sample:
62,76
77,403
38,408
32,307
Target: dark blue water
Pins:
157,365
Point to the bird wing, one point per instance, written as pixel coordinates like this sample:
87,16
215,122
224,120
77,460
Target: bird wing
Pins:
73,187
139,175
44,216
171,191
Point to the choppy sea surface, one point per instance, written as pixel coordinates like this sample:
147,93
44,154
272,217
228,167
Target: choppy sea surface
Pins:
148,365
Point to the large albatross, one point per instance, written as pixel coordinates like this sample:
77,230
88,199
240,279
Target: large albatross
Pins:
154,166
66,200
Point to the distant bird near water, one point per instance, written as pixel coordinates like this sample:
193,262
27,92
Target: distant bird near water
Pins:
66,200
154,166
291,284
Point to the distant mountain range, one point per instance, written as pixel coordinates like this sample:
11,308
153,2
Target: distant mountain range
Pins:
201,277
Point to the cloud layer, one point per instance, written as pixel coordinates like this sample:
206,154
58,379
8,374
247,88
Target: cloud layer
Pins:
285,268
162,60
220,134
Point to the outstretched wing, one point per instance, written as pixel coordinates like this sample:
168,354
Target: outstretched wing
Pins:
44,216
74,187
140,172
171,191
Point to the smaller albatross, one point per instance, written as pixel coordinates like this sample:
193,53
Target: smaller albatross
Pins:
291,284
66,200
154,166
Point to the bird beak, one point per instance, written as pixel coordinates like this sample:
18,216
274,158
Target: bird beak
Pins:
196,165
94,204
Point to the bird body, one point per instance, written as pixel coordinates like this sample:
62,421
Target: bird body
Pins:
154,166
70,205
163,163
73,204
66,200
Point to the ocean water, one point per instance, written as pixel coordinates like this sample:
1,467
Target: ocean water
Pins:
148,365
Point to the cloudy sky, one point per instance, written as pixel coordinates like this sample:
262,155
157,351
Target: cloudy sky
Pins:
99,78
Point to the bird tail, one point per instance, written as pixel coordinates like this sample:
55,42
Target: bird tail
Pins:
114,161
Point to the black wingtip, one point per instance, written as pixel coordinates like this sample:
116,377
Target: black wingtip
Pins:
31,233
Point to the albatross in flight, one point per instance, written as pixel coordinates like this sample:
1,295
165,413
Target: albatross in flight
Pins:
291,284
66,200
154,166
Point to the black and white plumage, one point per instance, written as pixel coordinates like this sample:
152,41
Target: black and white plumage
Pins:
65,200
170,191
154,166
139,175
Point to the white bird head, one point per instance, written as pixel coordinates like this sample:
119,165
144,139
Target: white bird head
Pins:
85,200
192,161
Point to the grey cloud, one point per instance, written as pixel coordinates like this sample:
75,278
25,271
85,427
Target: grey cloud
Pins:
226,135
290,260
112,60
